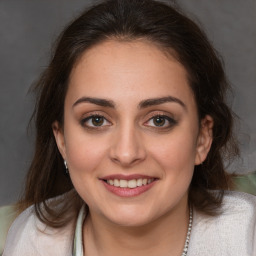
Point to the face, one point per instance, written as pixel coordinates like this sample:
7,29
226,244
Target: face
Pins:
131,134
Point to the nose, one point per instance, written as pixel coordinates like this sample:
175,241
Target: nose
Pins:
127,147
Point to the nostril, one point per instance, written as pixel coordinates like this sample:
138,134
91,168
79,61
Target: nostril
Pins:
127,148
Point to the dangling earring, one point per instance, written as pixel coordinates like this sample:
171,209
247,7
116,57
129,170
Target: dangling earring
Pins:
66,166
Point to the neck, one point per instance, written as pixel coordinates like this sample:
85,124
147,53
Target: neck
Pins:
164,236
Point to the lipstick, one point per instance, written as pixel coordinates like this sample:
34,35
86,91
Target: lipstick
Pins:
128,186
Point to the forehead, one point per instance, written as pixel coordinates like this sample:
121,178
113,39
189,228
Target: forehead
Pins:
136,68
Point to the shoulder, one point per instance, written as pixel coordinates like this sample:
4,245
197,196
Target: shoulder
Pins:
229,233
241,201
8,214
29,236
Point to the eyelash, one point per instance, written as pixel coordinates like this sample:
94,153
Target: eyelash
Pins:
171,122
90,118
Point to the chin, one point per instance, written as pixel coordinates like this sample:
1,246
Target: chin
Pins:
130,221
131,217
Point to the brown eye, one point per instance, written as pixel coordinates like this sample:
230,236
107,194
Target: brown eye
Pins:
159,121
97,120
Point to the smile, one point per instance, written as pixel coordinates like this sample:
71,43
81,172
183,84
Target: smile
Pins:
133,183
128,186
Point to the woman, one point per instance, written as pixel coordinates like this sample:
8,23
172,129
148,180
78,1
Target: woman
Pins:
132,132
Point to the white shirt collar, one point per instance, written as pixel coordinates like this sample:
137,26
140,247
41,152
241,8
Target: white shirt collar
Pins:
78,240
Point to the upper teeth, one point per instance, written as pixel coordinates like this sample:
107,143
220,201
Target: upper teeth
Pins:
129,183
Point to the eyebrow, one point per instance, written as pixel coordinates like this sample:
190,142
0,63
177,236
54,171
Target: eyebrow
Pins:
159,101
96,101
143,104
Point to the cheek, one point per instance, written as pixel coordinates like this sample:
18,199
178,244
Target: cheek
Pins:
176,153
84,153
85,156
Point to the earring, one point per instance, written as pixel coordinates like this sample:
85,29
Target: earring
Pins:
66,166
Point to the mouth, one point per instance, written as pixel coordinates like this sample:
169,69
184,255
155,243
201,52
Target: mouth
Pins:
128,186
133,183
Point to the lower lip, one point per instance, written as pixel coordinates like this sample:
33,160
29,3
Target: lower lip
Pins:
128,192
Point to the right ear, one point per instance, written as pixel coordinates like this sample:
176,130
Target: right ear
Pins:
59,138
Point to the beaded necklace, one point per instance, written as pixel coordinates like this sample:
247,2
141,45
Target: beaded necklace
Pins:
185,249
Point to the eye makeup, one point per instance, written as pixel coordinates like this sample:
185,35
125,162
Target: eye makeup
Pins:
160,120
95,121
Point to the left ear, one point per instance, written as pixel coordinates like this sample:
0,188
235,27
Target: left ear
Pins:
204,140
59,138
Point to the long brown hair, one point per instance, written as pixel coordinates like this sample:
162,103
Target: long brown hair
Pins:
170,30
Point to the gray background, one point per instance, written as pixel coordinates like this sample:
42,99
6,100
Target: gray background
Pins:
27,30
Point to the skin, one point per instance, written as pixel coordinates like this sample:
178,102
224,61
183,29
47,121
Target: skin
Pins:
128,141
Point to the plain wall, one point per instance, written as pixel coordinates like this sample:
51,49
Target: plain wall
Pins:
27,31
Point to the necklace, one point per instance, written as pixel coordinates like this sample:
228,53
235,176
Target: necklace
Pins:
185,249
